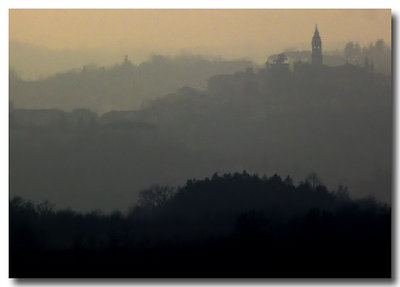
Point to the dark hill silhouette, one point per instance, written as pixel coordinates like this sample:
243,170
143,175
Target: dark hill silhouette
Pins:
233,225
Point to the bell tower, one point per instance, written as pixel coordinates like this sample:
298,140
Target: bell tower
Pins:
316,55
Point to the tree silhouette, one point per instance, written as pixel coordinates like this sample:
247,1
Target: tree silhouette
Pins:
155,196
230,225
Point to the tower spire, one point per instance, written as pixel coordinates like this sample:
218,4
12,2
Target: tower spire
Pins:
316,44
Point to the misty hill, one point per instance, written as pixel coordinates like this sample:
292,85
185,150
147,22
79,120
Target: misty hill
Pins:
34,62
123,86
127,86
336,121
230,225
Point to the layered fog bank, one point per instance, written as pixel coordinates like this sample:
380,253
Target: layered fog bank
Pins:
94,138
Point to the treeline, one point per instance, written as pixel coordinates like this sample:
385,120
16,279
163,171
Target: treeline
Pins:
378,54
233,225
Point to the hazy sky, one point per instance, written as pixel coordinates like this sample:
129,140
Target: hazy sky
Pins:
249,34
